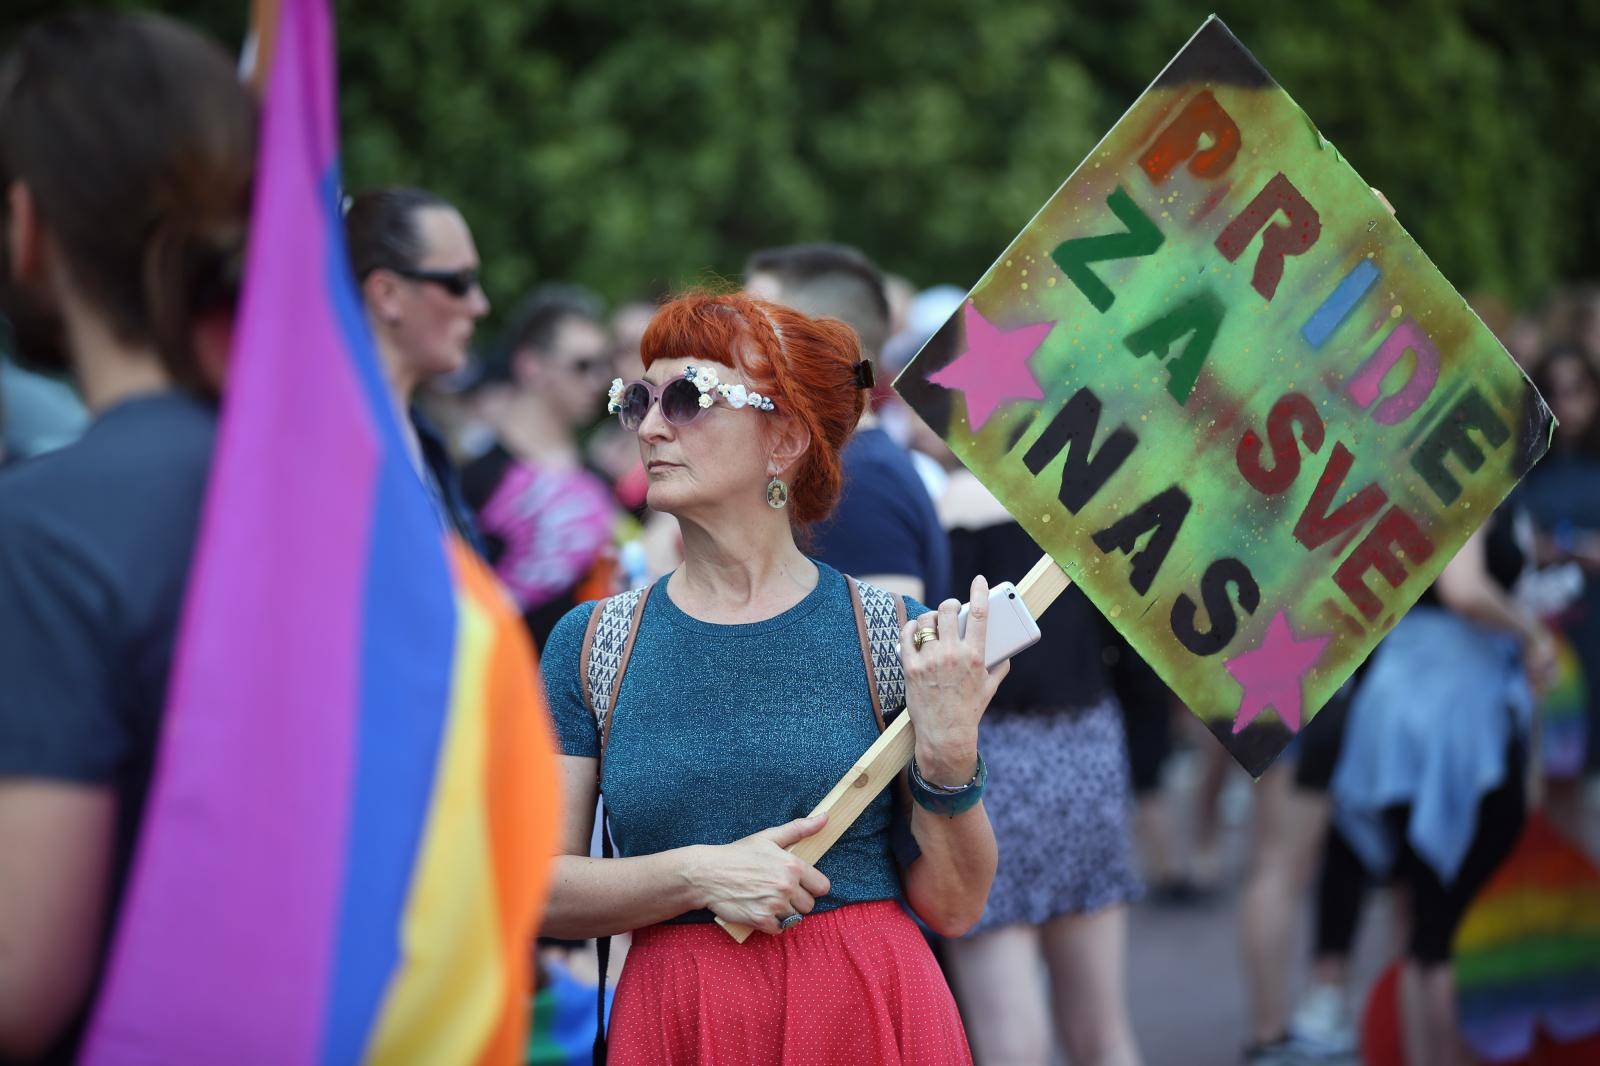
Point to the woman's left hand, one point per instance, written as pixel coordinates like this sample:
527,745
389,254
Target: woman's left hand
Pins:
948,688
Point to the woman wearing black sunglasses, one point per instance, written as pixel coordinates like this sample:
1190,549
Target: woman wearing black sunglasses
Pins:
744,699
418,267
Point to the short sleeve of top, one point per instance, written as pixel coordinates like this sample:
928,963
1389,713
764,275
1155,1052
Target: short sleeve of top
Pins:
885,522
560,663
58,712
95,541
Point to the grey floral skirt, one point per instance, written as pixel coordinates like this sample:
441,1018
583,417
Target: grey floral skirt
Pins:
1059,799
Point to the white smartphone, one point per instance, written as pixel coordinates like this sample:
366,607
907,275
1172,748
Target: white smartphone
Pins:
1011,627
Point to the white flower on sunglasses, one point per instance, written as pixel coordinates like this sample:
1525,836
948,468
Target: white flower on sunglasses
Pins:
705,379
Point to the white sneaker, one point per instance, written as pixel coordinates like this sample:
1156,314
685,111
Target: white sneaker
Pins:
1323,1024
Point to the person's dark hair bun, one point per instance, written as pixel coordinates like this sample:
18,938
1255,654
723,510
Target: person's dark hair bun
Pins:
136,142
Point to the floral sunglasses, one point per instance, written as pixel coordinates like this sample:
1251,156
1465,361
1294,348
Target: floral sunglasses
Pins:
682,399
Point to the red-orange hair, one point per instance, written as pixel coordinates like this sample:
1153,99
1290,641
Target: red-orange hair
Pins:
805,365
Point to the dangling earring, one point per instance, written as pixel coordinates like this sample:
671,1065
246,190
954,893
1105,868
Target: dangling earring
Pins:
777,494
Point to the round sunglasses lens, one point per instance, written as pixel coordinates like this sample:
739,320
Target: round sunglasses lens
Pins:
680,402
635,405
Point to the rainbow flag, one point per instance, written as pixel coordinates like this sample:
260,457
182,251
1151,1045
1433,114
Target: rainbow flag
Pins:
1527,955
346,846
1563,715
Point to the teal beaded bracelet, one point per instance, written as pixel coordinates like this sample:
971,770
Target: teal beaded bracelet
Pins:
939,799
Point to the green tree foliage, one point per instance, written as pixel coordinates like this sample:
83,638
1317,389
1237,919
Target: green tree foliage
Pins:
640,145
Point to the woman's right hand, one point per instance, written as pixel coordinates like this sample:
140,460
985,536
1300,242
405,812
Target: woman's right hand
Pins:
755,881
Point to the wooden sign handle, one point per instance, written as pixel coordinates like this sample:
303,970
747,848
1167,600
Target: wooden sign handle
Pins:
891,752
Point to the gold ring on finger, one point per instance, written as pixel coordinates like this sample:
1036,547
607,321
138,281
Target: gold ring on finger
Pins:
922,636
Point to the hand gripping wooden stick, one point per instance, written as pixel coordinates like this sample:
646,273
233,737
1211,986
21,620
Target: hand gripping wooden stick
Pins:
891,752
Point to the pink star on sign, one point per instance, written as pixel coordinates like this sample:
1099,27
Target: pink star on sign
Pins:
994,368
1271,673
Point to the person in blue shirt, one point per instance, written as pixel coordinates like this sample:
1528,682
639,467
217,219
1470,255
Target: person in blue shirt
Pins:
885,529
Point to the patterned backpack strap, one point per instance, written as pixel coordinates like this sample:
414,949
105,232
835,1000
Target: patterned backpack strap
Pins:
607,646
880,616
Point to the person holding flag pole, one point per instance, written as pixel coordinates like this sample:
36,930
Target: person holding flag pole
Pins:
341,809
127,147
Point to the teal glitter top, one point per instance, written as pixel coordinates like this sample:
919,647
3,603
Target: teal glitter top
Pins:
720,731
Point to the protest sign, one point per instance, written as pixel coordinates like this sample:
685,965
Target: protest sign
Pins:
1220,385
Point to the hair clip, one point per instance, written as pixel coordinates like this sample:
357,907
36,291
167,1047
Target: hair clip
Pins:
863,371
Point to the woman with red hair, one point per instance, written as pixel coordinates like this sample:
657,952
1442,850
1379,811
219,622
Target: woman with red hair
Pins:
744,698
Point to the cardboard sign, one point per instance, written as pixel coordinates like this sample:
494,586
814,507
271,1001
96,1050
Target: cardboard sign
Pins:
1222,387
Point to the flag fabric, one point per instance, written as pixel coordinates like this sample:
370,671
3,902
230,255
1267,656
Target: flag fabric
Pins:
348,836
1527,955
1563,715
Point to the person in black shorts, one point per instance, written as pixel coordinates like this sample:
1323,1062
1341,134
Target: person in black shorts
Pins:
885,530
1429,786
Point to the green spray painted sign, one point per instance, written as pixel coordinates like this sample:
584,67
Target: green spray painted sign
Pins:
1217,381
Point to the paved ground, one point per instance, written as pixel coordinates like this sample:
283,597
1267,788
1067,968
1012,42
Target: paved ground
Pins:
1185,986
1187,991
1184,972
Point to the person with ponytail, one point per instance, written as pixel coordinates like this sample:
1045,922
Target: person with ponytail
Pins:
126,152
740,696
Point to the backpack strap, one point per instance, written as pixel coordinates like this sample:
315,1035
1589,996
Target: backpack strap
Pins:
607,647
880,616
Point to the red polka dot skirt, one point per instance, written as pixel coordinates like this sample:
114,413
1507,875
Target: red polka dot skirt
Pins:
854,985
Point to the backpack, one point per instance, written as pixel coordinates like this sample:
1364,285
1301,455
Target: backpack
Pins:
608,645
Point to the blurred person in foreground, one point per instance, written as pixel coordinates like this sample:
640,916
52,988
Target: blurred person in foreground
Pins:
126,150
417,266
885,530
548,521
746,697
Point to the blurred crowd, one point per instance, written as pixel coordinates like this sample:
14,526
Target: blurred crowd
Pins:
1484,701
517,446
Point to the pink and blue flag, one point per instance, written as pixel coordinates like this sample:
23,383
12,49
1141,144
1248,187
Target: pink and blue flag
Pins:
347,841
